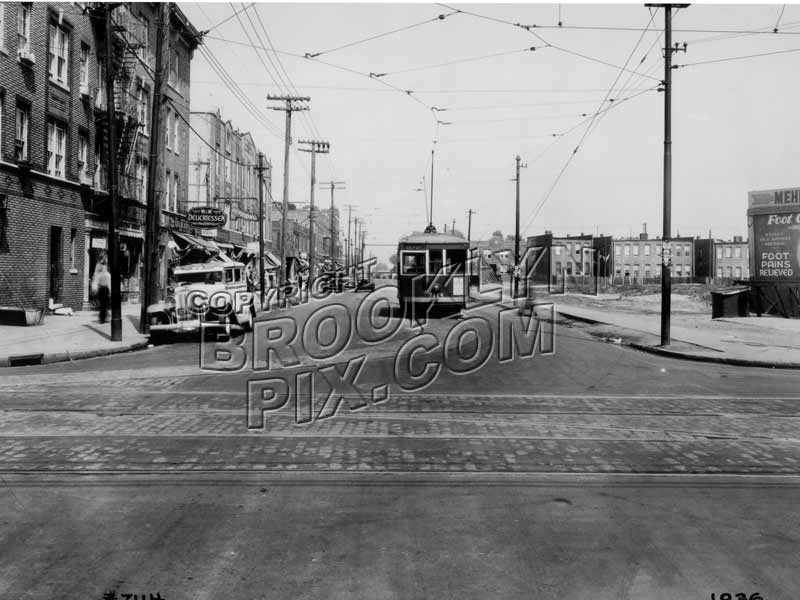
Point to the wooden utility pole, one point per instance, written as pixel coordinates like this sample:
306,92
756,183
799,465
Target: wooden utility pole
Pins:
113,210
290,105
261,275
316,147
153,212
333,233
666,250
516,231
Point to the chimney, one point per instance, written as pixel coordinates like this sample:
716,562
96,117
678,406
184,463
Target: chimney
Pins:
738,238
643,235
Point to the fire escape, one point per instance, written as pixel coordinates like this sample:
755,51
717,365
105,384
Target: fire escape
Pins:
128,114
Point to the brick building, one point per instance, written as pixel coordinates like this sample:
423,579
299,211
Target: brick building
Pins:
47,63
731,259
222,173
580,255
638,260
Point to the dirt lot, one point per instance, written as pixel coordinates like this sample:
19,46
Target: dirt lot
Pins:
694,300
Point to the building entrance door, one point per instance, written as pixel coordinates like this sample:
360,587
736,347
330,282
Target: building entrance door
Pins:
56,271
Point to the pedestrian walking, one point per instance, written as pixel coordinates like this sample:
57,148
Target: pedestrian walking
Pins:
101,285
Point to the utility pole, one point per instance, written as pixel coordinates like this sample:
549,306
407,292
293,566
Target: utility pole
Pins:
113,212
666,251
354,245
261,275
470,212
153,214
316,147
347,240
334,233
290,105
516,229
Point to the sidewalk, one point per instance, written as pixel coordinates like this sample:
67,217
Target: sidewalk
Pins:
62,338
747,341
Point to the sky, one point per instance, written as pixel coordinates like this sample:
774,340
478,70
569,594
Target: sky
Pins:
578,103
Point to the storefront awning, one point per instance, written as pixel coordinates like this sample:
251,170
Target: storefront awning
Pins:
191,241
273,262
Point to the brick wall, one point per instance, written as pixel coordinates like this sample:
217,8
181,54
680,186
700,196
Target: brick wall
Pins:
32,201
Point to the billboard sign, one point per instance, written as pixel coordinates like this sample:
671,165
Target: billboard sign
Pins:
206,216
776,252
779,197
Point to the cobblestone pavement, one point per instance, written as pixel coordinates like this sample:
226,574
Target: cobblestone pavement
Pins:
591,407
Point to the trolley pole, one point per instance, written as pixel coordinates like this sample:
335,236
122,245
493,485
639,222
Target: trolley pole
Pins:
315,147
290,105
666,252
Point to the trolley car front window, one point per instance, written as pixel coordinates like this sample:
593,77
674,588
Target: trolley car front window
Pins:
413,263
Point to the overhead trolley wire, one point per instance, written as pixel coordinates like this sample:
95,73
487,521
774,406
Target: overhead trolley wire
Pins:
441,17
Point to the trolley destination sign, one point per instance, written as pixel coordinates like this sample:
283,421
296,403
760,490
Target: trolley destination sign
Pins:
206,217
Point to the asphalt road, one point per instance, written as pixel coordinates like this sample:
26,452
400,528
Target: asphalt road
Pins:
593,472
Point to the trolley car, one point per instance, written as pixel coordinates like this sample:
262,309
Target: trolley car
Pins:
431,270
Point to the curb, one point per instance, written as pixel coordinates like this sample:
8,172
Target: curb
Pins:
738,362
55,357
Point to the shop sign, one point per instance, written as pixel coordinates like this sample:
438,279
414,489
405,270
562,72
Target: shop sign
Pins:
776,250
206,216
212,233
98,242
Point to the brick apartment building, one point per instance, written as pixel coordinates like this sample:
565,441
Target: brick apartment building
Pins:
47,136
54,122
580,255
223,173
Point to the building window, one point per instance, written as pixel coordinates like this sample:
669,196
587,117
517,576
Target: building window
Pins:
687,271
729,272
144,50
143,107
168,131
24,28
59,54
636,250
647,250
727,251
84,69
719,272
677,271
687,250
83,157
56,143
557,250
141,180
627,250
2,26
21,139
168,190
678,250
617,250
738,272
737,252
176,192
719,252
174,69
175,131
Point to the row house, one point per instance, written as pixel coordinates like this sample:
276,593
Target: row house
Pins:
47,140
223,173
580,255
54,123
639,259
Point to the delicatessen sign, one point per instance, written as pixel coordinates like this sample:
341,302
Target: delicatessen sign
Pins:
206,217
776,238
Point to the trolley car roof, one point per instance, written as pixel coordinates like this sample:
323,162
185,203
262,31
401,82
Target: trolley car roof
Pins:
432,239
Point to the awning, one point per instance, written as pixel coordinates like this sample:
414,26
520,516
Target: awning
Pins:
272,261
225,245
191,241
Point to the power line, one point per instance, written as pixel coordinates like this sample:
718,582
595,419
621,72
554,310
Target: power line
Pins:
456,61
235,14
719,60
441,17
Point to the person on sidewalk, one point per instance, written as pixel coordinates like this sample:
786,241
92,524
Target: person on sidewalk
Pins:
101,285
